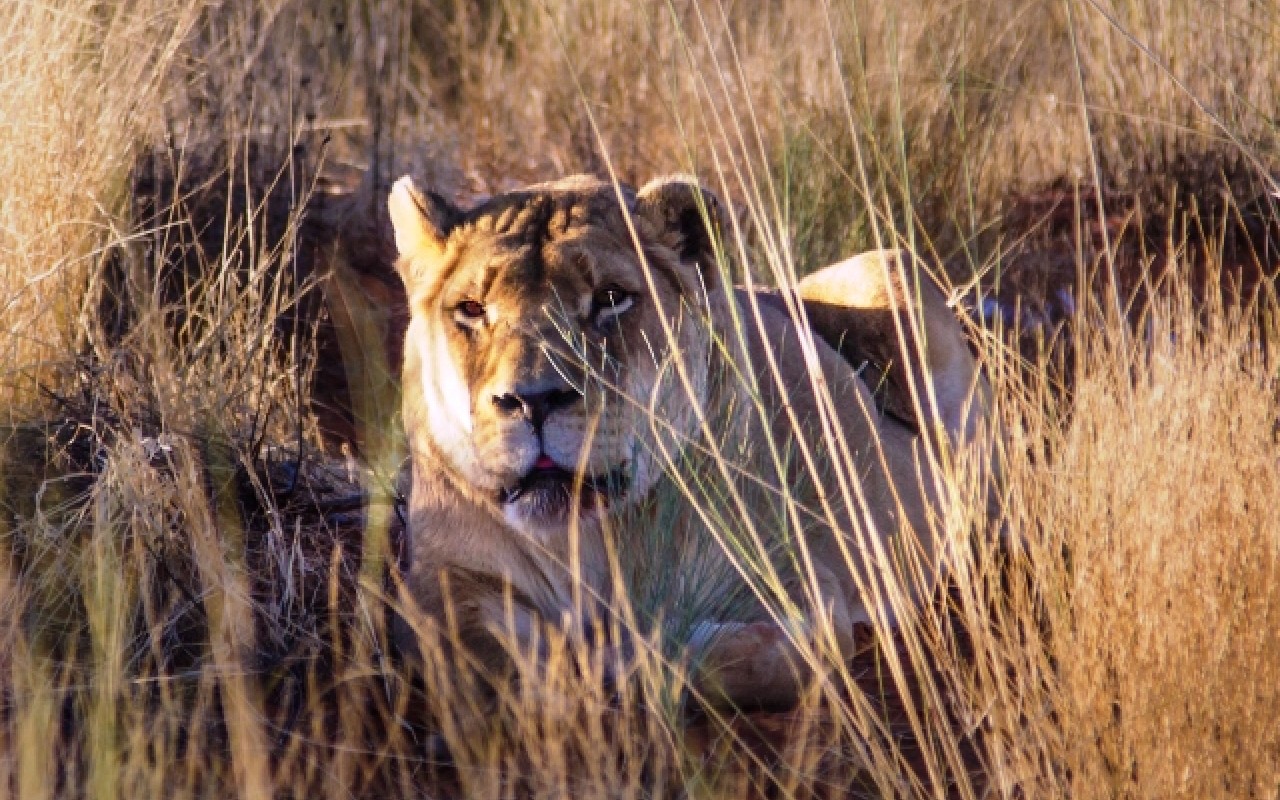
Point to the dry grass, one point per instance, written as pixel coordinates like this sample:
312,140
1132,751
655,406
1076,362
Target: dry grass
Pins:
189,608
80,82
1166,635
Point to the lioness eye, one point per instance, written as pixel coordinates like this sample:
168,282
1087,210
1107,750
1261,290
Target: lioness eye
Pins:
469,312
611,303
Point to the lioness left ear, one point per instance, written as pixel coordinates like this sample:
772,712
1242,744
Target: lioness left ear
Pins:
688,216
421,221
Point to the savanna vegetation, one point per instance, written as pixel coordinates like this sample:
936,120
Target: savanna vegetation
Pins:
199,449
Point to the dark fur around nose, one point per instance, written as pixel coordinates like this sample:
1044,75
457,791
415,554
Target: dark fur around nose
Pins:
536,403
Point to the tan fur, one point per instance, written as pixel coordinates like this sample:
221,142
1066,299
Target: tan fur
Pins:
516,357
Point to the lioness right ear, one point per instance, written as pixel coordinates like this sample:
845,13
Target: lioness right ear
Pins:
421,221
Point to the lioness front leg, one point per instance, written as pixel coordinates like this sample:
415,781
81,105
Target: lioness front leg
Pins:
764,663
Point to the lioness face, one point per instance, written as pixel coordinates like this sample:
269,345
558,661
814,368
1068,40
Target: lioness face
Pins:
546,344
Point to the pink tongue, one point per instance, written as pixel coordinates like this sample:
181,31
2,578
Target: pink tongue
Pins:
544,462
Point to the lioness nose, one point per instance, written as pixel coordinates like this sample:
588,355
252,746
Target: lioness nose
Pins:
536,403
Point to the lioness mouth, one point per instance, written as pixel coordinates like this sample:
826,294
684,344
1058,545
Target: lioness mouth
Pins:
550,484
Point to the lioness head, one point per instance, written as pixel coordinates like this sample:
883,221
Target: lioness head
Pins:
539,360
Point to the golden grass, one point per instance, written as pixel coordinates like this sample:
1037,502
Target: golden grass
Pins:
1164,642
81,84
172,624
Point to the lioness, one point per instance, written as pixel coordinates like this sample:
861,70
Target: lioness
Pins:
571,342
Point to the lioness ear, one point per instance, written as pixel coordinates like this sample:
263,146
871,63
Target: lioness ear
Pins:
421,221
688,216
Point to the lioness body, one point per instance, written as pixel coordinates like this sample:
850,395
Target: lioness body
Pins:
554,374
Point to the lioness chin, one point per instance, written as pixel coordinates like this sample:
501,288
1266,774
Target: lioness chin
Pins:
571,346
